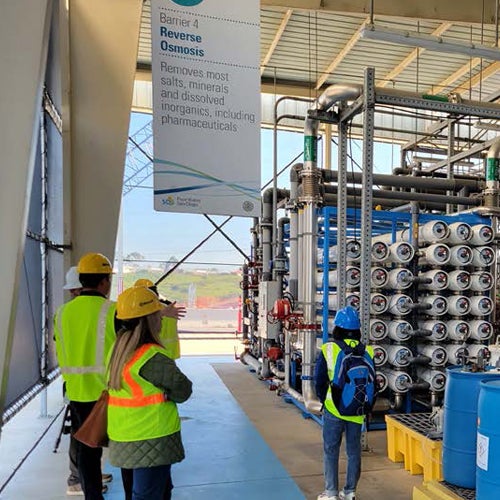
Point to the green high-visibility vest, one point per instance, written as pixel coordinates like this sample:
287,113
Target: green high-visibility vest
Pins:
84,332
169,337
140,410
331,351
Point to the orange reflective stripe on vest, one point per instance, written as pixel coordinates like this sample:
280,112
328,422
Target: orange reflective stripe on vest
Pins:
138,398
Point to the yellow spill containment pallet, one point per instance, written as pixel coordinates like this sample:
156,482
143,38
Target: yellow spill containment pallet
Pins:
409,440
433,490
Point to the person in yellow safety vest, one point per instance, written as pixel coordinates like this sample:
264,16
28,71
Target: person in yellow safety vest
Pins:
84,332
347,328
168,334
145,387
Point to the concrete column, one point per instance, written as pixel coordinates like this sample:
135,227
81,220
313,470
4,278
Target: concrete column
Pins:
103,52
24,35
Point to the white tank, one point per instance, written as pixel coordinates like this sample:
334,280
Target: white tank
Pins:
378,303
458,330
481,305
433,232
481,281
435,378
353,251
459,280
378,330
352,277
481,330
398,381
456,353
460,233
438,329
378,277
439,280
483,256
436,353
399,355
400,304
478,350
438,305
460,255
352,299
401,252
379,355
458,305
381,381
481,235
435,255
399,279
379,251
400,330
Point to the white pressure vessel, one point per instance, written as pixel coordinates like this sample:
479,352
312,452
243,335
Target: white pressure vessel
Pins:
399,279
433,232
481,305
438,329
460,255
481,281
378,303
398,381
435,378
378,277
438,305
399,355
458,330
481,330
435,255
459,280
438,277
456,353
460,233
353,251
401,253
478,351
458,305
483,256
381,381
400,304
400,330
352,277
379,355
379,251
481,234
352,299
436,353
378,330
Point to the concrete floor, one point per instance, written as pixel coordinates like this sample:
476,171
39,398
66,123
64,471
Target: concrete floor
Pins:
242,441
297,441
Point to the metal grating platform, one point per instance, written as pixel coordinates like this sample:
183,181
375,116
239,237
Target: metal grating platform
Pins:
464,493
419,422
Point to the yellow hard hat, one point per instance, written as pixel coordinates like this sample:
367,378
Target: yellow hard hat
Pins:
136,302
94,263
144,282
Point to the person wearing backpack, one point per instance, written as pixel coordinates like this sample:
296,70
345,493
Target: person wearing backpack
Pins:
345,384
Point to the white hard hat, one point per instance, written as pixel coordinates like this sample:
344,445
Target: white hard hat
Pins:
72,279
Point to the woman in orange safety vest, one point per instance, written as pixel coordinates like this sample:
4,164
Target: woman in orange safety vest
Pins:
145,386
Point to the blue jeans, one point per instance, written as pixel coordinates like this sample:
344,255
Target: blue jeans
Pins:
150,482
333,428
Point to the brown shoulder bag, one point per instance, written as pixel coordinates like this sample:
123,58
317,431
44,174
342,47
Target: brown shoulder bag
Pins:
94,431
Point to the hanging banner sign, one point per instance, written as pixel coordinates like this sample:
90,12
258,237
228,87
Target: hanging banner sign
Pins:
206,106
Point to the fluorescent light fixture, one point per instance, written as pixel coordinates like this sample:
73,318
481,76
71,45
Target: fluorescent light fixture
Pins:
429,42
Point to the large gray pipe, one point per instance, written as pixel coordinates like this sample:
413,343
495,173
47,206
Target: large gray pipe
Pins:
294,249
408,181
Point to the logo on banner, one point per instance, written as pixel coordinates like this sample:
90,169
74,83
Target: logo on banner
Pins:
187,3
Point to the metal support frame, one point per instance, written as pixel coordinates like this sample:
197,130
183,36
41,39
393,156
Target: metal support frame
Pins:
366,199
341,213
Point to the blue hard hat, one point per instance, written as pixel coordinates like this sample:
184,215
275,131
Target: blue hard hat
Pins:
347,318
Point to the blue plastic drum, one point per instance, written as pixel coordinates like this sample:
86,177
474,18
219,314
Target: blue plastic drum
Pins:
460,425
488,442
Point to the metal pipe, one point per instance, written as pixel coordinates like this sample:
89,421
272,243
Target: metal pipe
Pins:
407,182
275,371
294,249
247,359
491,192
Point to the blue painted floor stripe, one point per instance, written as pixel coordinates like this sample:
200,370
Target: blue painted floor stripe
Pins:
226,458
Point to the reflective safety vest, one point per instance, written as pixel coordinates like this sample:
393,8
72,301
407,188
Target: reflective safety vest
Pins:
169,337
139,410
330,352
84,332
